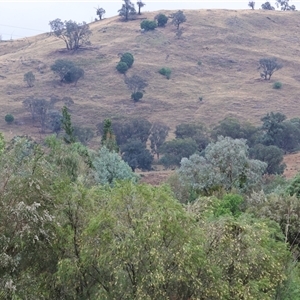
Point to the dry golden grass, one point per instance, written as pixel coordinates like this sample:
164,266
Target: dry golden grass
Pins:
228,43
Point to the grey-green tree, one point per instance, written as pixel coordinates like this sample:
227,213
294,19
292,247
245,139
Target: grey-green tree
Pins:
226,165
100,12
29,78
127,11
158,135
75,35
284,5
251,4
177,18
268,66
140,4
267,6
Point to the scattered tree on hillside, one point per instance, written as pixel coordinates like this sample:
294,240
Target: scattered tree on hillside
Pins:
140,4
75,35
233,128
9,118
54,121
197,132
158,135
173,151
67,71
136,84
271,155
161,20
38,109
100,12
29,78
268,66
127,58
251,4
127,11
284,5
178,18
267,6
148,25
135,153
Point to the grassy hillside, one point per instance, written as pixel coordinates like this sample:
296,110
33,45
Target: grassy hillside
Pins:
228,43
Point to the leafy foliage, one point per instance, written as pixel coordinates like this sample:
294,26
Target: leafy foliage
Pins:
161,19
284,5
122,67
267,6
109,167
127,58
39,110
166,72
197,132
135,129
268,66
233,128
127,11
67,126
108,138
175,150
225,165
148,25
75,35
137,96
29,78
178,18
136,84
134,152
251,4
67,71
277,85
271,155
9,118
140,4
100,12
158,135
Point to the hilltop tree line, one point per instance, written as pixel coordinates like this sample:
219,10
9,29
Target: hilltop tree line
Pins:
282,4
79,225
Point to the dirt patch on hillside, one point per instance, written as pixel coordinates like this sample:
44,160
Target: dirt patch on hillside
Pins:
292,162
155,177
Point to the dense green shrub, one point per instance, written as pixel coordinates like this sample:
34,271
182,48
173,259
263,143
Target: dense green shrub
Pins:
137,96
166,72
161,19
148,25
277,85
9,118
122,67
128,59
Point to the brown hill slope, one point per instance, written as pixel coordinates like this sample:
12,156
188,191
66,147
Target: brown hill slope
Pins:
228,43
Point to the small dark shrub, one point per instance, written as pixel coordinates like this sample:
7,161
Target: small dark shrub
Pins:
200,99
137,96
9,118
122,67
148,25
277,85
199,63
161,19
166,72
128,59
